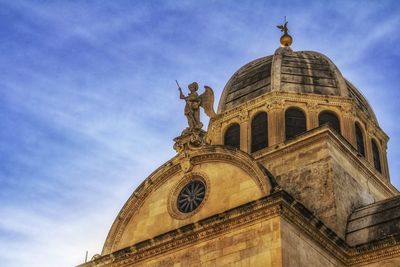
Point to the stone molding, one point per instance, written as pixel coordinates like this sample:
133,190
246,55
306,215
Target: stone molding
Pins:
375,251
134,203
279,203
172,167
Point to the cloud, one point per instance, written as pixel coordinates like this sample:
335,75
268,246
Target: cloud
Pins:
89,106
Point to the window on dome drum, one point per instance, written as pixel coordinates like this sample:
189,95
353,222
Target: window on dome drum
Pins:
259,132
232,136
295,122
360,140
375,156
326,117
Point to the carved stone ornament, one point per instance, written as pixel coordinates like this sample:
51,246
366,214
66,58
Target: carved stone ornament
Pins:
190,140
276,105
216,127
313,106
186,165
187,142
348,111
243,116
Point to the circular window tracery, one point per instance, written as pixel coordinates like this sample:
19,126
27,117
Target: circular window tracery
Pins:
191,196
188,195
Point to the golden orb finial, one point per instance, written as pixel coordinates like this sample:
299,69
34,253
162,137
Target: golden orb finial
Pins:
286,39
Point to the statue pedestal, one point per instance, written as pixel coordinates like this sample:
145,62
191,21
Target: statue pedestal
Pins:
186,143
190,139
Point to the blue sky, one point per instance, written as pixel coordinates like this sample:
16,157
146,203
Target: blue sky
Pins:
89,106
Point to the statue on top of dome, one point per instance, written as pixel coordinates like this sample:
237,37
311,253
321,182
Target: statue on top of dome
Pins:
193,103
286,39
283,27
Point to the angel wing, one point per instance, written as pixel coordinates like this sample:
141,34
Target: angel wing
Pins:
207,101
283,27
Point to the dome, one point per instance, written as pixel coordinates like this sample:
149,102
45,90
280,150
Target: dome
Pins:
304,72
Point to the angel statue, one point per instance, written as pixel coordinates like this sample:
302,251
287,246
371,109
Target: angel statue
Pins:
283,27
286,39
193,103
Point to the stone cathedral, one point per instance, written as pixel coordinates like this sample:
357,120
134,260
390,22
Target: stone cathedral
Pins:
292,171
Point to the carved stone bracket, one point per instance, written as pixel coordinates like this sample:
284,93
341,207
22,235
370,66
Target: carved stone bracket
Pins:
244,116
187,142
313,106
216,127
348,111
190,140
276,105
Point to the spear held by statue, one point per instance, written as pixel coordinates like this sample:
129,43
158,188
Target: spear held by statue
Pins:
179,88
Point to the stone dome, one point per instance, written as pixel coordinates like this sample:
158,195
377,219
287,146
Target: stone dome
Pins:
304,72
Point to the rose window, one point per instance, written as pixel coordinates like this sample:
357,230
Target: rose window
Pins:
191,196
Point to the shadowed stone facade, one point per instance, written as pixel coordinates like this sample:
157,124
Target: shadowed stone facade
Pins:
319,196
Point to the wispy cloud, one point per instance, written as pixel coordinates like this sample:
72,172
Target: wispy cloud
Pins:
89,106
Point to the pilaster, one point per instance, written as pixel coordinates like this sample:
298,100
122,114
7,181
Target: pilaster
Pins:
244,132
347,126
276,123
312,118
384,162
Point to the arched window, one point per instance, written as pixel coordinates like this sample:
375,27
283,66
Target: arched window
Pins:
326,117
259,132
360,140
375,156
295,122
232,136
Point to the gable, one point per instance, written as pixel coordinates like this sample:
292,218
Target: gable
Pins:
230,177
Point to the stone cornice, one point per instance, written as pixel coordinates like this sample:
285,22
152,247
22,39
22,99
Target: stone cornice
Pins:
279,203
374,251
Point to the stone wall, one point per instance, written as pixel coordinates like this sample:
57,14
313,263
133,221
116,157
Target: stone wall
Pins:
301,251
274,231
325,175
273,242
228,187
306,175
254,245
